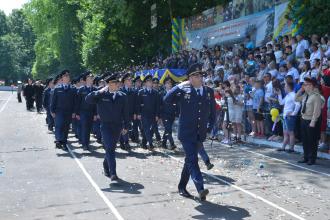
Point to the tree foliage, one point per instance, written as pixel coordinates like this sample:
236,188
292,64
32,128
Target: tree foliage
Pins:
16,47
311,16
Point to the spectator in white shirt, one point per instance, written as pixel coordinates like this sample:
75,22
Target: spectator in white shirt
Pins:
316,70
293,43
301,46
306,72
262,70
290,111
316,54
292,71
278,53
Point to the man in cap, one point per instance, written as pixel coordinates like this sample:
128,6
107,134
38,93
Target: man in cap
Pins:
126,80
46,103
38,92
168,112
28,93
136,122
197,116
85,112
147,110
311,102
155,129
96,122
62,109
112,107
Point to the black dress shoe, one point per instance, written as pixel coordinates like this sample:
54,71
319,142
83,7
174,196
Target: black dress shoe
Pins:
58,145
310,162
185,193
303,161
209,166
107,174
114,178
172,147
290,151
202,194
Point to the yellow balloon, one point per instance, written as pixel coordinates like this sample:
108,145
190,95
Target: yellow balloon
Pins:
274,112
274,119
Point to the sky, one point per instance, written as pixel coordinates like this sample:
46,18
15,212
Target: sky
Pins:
8,5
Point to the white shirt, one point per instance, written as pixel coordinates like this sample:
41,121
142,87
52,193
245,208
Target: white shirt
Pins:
278,55
301,47
273,72
268,91
293,72
303,75
290,105
315,55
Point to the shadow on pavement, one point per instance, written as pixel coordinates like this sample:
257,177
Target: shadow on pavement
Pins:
212,181
210,210
123,186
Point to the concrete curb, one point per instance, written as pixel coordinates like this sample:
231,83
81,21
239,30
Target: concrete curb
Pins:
297,148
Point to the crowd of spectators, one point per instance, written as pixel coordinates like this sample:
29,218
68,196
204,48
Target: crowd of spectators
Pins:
257,88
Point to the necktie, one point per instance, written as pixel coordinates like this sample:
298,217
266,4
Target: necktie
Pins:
304,106
198,92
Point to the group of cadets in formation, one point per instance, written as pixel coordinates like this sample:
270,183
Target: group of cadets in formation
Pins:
118,108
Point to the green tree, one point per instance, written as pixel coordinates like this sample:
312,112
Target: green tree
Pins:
58,33
310,16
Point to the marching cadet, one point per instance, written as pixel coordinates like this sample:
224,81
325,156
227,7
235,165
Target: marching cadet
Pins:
77,83
46,103
136,122
168,111
85,112
112,107
128,90
38,94
155,130
28,93
96,122
147,111
62,109
197,109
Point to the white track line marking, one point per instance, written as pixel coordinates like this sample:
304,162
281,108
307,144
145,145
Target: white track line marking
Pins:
4,105
246,191
96,187
283,161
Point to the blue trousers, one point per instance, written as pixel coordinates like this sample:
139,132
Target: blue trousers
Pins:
49,119
86,122
96,129
155,130
124,138
147,123
168,125
110,136
204,155
135,129
62,126
191,167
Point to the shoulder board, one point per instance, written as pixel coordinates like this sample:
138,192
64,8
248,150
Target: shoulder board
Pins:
120,93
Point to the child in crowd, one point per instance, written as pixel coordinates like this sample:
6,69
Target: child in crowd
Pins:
257,104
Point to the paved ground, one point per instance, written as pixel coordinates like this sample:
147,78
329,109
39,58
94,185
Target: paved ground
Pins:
39,182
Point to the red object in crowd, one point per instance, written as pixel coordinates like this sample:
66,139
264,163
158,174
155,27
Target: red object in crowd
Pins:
326,94
217,98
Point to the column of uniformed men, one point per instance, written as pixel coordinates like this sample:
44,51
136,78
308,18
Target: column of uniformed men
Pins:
117,108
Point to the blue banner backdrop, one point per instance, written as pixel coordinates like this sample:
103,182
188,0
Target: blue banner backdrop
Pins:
178,75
